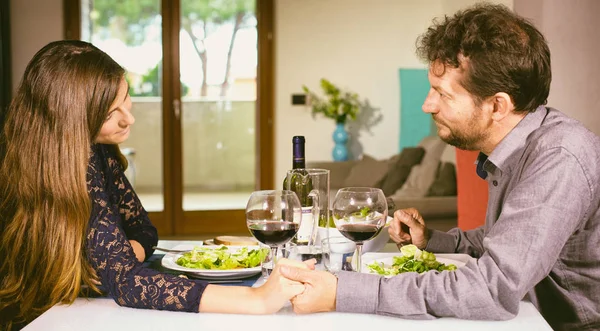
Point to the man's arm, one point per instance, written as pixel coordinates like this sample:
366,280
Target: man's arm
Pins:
408,227
519,251
457,241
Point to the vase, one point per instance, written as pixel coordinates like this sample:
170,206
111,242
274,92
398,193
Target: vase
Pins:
340,138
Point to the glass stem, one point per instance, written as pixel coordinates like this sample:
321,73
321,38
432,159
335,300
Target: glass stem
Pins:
358,257
273,257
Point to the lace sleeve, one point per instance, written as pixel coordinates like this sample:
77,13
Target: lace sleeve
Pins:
136,224
113,259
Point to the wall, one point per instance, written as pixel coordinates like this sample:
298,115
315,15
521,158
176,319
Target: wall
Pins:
472,191
571,28
34,23
359,46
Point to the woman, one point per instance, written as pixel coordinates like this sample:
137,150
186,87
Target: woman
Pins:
69,219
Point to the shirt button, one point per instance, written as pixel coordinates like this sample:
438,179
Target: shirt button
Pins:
495,182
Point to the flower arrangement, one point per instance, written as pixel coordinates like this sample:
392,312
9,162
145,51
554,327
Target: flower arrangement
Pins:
337,105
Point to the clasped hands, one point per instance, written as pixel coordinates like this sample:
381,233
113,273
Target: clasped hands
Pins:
312,291
309,290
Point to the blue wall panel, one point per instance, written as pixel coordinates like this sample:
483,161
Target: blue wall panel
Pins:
414,123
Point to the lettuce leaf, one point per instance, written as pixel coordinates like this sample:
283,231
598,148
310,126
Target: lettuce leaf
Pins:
412,260
221,258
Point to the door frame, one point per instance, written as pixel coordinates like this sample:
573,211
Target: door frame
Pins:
173,220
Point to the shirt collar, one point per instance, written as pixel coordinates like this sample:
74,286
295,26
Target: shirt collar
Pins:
481,158
516,139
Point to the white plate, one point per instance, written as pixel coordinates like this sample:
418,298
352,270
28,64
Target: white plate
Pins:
458,260
169,261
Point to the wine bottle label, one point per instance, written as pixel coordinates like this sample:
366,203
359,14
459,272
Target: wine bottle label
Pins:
306,225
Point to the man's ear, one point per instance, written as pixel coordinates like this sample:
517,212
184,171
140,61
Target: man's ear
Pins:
503,106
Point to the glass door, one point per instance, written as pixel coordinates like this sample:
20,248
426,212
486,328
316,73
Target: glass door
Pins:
218,69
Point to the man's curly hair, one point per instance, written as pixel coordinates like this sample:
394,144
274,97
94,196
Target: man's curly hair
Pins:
499,50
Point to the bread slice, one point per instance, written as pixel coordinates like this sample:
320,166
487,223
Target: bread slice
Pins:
235,241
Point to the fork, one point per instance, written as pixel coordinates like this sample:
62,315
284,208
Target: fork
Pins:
169,250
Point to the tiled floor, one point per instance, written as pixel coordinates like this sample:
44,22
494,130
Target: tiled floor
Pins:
199,201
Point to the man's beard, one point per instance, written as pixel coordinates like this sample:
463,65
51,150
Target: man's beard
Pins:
463,142
466,140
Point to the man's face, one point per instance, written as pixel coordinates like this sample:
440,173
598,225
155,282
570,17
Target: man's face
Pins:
460,122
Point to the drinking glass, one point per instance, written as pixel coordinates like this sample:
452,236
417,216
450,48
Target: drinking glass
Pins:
273,218
337,254
312,188
359,214
266,266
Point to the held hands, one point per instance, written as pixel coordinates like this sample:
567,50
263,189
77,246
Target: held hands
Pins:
408,227
278,290
319,288
313,291
319,293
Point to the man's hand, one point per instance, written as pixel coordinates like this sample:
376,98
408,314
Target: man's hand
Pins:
138,250
319,293
278,290
267,299
408,227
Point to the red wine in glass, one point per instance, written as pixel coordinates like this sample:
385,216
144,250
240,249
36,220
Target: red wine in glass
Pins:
273,233
359,214
359,232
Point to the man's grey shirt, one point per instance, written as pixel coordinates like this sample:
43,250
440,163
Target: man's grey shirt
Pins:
540,241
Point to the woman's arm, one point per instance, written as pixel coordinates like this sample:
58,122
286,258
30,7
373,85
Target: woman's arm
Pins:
111,248
132,285
136,224
112,256
138,250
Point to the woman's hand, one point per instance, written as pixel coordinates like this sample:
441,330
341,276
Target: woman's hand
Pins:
267,299
138,250
278,290
408,227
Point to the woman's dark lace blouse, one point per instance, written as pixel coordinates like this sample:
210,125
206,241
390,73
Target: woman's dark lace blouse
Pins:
117,217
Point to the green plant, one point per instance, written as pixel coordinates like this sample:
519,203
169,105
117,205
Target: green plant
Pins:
337,105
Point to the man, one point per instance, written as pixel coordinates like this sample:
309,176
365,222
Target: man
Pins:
490,77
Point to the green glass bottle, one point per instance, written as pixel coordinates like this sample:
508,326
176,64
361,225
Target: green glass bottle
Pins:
301,183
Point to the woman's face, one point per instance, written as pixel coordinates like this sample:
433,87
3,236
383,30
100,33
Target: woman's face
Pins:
115,129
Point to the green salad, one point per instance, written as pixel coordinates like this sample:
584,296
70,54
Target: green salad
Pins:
412,260
364,212
221,258
329,224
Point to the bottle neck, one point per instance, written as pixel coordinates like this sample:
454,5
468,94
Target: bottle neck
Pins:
298,161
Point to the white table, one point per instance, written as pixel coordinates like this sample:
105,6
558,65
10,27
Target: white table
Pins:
104,314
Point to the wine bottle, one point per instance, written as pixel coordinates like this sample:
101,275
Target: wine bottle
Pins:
301,183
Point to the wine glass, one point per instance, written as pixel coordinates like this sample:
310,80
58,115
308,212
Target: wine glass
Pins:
273,217
359,214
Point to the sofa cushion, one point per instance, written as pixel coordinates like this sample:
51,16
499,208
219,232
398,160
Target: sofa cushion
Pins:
445,181
422,175
449,154
430,207
338,171
366,172
399,170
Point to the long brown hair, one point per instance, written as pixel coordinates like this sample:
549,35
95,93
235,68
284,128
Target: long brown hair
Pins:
52,121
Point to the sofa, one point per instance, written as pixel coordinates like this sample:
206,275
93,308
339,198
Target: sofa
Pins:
422,177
